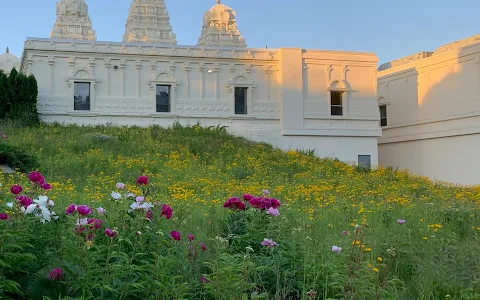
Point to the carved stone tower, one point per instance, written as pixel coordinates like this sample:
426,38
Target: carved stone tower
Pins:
73,21
148,22
220,28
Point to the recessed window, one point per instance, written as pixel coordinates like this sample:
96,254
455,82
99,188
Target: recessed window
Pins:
241,100
383,115
336,103
365,161
81,96
163,98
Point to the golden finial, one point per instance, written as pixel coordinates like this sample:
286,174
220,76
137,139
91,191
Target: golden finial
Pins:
218,1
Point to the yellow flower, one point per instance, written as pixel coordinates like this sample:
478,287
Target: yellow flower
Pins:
375,270
425,238
368,249
89,244
379,259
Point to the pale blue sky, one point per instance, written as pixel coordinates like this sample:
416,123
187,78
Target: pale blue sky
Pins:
391,29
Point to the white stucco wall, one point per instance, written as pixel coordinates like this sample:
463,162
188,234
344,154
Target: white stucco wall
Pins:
433,114
288,99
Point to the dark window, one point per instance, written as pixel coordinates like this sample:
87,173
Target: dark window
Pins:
163,98
336,103
383,115
81,96
241,100
365,161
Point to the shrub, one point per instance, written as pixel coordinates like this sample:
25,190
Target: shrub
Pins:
17,158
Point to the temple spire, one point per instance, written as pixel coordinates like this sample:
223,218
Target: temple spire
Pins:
148,22
73,21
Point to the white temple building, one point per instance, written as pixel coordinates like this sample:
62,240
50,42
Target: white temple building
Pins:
293,98
430,112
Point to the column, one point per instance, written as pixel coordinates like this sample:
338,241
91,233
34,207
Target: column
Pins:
51,61
267,70
201,68
186,67
216,69
138,67
107,75
123,64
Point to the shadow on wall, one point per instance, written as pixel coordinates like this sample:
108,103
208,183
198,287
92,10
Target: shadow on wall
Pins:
434,119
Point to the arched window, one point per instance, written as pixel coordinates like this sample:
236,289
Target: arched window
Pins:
338,94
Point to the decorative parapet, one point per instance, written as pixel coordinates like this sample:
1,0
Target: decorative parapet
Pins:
405,60
150,49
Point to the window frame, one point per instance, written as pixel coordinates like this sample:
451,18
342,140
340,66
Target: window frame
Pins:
89,95
169,98
384,106
341,106
369,166
245,106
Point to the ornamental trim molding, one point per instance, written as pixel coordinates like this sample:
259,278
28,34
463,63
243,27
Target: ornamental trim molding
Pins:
163,77
240,79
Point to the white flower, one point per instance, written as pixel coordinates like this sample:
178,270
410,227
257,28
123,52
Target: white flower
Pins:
10,204
31,208
144,205
116,195
82,222
44,214
130,195
41,201
51,203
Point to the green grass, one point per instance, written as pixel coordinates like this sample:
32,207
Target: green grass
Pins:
195,169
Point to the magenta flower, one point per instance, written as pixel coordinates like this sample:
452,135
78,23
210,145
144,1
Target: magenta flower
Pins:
336,249
35,177
142,180
247,197
167,211
234,203
120,185
110,232
275,203
56,274
101,210
3,217
203,246
268,243
261,203
84,210
149,215
16,189
190,237
204,280
175,235
400,222
24,201
95,223
70,209
273,211
46,186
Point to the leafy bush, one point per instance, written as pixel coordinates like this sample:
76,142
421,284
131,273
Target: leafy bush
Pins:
17,158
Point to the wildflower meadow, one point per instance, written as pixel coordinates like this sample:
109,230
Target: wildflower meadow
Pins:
195,213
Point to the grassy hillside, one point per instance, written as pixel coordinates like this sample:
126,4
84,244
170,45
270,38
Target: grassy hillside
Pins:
194,170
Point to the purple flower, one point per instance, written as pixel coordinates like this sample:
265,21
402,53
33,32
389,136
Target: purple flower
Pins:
175,235
71,209
84,210
400,222
190,237
56,274
266,192
16,189
336,249
268,243
142,180
35,177
345,232
95,223
275,203
101,210
203,246
234,203
46,186
204,280
273,211
167,211
120,185
110,232
261,203
140,199
247,197
3,217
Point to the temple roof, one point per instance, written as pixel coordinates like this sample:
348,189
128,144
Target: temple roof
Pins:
73,21
8,61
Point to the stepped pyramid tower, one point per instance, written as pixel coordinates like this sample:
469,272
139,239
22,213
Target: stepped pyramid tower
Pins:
73,21
148,22
220,28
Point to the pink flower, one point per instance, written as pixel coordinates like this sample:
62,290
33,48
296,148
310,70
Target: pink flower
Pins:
266,192
275,203
234,203
190,237
24,201
345,232
261,203
273,211
204,280
120,185
46,186
149,215
95,223
268,243
56,274
70,209
84,210
3,217
400,222
101,210
167,211
247,197
16,189
35,177
175,235
203,246
142,180
140,199
336,249
110,233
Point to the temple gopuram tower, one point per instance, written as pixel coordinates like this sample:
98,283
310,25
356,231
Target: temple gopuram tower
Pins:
73,21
